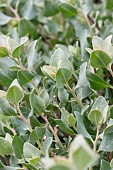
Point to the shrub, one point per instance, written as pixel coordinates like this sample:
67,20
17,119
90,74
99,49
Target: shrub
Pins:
56,81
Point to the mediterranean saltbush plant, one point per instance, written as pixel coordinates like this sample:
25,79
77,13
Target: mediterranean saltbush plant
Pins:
56,85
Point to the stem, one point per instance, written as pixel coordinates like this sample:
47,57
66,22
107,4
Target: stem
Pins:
22,117
35,86
20,64
74,95
95,143
41,147
110,71
54,133
96,139
14,11
56,137
33,82
87,21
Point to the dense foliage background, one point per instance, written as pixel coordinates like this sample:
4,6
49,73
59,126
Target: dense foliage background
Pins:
56,85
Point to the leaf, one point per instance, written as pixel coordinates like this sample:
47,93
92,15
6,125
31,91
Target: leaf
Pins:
32,54
109,4
51,8
7,76
101,106
19,50
82,87
3,52
3,94
64,127
104,165
96,82
4,19
6,109
67,10
64,115
95,116
63,75
59,60
15,93
111,163
49,71
30,152
97,43
20,125
37,134
7,42
24,76
37,103
107,139
45,96
29,10
47,145
80,150
17,144
5,147
71,120
63,95
25,28
99,59
81,129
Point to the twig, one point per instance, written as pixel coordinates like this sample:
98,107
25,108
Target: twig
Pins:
74,95
54,133
22,117
96,139
14,11
33,82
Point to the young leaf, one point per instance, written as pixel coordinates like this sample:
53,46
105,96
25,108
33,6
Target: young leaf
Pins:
71,120
18,50
95,116
7,42
59,60
49,71
15,93
97,43
99,111
5,147
30,152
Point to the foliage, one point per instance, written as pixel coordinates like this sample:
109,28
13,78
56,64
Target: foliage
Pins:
56,81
